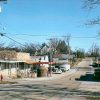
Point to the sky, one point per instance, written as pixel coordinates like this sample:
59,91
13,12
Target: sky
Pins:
36,21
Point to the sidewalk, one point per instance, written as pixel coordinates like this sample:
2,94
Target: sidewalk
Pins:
53,77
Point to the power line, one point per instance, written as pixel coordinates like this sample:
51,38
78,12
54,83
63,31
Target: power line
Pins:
85,37
30,35
55,36
3,34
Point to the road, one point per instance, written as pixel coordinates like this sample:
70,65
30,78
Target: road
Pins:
72,85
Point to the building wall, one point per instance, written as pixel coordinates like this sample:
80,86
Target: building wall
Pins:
7,69
13,55
13,69
41,59
57,60
21,56
8,55
35,58
45,59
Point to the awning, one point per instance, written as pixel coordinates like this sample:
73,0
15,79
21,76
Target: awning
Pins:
35,63
6,61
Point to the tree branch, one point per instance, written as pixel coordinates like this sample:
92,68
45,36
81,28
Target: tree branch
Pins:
91,4
95,21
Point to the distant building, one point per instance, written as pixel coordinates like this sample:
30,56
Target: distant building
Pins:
40,59
61,58
62,61
12,63
44,49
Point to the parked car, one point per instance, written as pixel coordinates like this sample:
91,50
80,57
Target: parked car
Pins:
57,71
63,69
97,74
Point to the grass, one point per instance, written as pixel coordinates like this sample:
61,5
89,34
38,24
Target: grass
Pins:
7,82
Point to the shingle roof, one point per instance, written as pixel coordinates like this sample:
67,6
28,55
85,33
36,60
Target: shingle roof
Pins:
63,56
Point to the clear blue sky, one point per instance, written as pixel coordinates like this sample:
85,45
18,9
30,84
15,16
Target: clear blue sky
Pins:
50,18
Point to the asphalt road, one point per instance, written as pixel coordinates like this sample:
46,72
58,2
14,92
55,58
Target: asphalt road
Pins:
75,84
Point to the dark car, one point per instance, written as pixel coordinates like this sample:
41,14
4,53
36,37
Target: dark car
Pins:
97,74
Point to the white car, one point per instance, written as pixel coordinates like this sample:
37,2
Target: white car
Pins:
65,67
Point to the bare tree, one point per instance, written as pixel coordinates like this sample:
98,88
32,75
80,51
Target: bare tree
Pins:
29,47
62,47
67,41
2,45
94,50
95,21
92,4
53,43
80,53
12,46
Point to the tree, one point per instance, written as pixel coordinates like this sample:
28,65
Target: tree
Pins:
12,46
62,47
67,41
29,48
43,49
2,45
80,53
53,43
94,50
92,4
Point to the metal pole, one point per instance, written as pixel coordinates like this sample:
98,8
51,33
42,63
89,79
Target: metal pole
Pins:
50,62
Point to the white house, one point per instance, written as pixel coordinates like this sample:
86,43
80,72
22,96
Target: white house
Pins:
41,59
62,60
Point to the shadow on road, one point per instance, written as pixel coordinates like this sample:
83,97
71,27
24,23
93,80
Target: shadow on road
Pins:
25,92
87,77
19,91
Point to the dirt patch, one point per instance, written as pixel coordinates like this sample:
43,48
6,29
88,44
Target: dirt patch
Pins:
7,82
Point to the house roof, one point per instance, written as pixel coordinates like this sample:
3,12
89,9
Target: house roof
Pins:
63,56
44,45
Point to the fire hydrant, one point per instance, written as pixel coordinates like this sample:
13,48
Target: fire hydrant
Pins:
1,77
